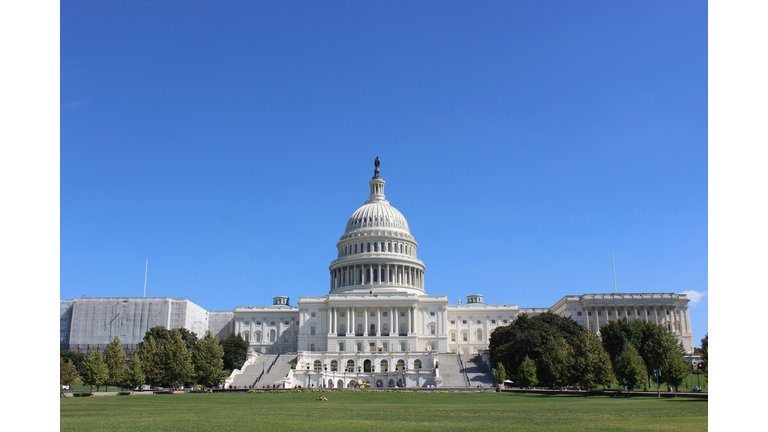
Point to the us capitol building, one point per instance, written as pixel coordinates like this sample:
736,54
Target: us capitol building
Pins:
377,324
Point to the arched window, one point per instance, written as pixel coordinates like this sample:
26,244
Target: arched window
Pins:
312,330
350,366
369,247
334,366
359,329
480,334
417,364
246,336
385,329
355,248
384,366
389,247
400,365
317,365
402,329
342,329
258,336
272,335
373,329
432,329
375,247
401,248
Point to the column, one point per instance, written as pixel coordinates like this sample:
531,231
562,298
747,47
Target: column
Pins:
330,321
331,280
388,281
348,315
365,322
380,274
656,314
391,320
410,320
378,321
597,317
397,321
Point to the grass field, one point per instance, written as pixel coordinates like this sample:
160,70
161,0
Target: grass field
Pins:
380,411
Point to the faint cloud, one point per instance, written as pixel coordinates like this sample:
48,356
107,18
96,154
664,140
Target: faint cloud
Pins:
695,296
76,103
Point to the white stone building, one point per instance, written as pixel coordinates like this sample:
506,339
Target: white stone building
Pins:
376,323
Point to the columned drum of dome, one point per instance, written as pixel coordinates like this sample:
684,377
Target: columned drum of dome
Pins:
377,253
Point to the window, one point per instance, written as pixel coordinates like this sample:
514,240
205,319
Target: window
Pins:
312,330
453,337
385,313
385,328
342,329
245,336
431,314
402,314
258,336
589,313
453,322
479,334
373,314
359,347
578,313
505,321
402,346
384,348
431,329
493,321
464,322
359,314
478,322
355,248
350,366
312,314
341,347
599,313
287,323
334,366
609,313
417,364
312,348
402,328
247,323
360,329
464,336
258,323
286,337
272,335
272,323
434,347
372,347
342,314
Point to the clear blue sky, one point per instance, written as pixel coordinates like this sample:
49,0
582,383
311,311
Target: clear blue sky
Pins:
228,143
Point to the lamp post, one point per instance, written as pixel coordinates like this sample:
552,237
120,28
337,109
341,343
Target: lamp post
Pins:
698,379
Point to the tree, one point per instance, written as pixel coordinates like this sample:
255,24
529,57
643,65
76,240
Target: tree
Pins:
235,350
526,337
208,361
134,375
176,362
95,371
674,369
591,364
501,375
189,337
555,364
67,373
630,368
115,359
705,355
148,351
77,358
526,374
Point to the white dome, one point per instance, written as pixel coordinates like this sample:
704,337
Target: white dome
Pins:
377,215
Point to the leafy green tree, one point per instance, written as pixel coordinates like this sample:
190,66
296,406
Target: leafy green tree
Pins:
176,362
95,372
500,374
235,351
591,364
134,376
630,368
77,358
555,364
208,361
526,337
705,354
189,337
674,369
526,374
67,373
115,359
150,354
158,333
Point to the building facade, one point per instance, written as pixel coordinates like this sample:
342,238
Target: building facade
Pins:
375,319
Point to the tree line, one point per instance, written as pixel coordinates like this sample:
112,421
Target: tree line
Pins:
164,358
556,351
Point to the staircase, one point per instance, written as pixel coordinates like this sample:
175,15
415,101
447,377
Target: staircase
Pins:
276,370
253,371
476,371
450,371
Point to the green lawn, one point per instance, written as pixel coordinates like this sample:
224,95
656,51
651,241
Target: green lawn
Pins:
380,411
